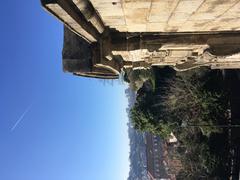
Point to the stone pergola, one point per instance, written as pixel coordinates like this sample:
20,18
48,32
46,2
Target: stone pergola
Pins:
102,37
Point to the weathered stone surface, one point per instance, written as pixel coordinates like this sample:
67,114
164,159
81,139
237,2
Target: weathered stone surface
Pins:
170,15
71,16
111,12
76,53
84,59
90,14
182,52
184,34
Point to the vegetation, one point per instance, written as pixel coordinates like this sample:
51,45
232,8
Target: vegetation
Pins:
192,105
137,78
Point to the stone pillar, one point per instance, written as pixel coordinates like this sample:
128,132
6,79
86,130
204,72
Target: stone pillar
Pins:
76,53
84,59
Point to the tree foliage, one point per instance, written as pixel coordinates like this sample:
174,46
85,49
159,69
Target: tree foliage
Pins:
137,77
192,105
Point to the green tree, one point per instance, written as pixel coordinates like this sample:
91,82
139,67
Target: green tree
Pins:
191,105
137,77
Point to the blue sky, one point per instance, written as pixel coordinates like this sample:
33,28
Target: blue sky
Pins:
75,128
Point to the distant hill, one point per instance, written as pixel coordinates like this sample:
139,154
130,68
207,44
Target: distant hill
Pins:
137,157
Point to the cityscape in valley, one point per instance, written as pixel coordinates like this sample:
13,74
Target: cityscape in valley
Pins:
149,153
184,125
181,60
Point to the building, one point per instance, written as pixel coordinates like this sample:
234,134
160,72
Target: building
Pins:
104,37
162,162
155,158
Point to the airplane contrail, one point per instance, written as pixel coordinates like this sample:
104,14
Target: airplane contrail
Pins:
21,117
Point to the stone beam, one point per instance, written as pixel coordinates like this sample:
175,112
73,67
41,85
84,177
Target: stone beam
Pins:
90,14
222,43
67,12
98,76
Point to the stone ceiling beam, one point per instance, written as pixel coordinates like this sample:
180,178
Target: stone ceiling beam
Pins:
133,41
90,14
67,12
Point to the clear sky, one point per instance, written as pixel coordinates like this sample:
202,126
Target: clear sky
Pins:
53,125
